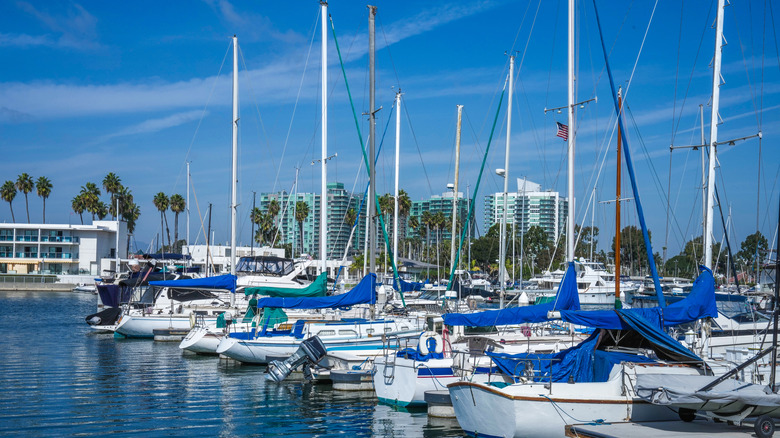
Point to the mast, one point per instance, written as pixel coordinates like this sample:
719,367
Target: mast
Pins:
572,132
116,250
617,202
372,141
703,187
455,192
188,209
502,238
233,201
397,164
713,136
324,187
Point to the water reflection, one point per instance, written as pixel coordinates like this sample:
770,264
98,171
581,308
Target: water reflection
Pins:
61,378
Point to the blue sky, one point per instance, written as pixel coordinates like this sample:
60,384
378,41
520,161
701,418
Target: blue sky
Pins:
90,88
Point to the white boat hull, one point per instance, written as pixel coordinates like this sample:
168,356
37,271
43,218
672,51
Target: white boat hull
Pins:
144,326
402,382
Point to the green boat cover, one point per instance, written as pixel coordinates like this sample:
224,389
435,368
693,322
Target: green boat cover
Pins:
273,316
317,288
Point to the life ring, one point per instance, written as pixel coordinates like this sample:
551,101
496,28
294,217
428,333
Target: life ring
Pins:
430,341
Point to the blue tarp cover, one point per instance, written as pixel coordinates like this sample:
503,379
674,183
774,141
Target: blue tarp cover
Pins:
567,298
410,286
363,293
227,282
168,256
700,303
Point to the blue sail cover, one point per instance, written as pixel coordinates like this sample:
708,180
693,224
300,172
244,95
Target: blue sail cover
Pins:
363,293
700,303
226,282
566,299
410,286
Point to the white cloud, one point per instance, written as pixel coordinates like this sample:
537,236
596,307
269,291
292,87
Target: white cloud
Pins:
75,28
154,125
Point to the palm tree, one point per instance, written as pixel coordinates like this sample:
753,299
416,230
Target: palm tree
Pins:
178,204
273,210
301,213
8,193
404,208
161,202
350,217
25,184
130,213
414,224
43,187
79,206
90,194
257,216
101,210
113,185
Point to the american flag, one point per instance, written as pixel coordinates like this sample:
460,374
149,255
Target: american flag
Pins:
563,131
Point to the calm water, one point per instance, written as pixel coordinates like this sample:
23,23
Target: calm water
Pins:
58,378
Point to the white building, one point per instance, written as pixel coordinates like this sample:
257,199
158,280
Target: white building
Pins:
527,207
61,249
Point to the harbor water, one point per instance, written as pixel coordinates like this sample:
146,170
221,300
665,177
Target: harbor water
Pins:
58,378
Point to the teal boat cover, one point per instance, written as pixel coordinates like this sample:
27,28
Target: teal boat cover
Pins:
363,293
318,288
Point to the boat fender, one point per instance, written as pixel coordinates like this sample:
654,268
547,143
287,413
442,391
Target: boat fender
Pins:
430,342
345,308
192,320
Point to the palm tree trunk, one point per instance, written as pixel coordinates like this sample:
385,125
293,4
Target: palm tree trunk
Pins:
176,229
13,218
300,225
168,232
161,229
81,216
44,210
27,205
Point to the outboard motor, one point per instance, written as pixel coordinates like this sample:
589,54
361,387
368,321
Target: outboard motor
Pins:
311,350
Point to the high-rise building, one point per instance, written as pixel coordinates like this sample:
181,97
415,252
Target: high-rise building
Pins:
305,236
527,207
440,204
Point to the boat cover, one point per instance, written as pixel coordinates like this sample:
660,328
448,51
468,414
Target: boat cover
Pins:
410,286
226,282
111,295
700,303
318,288
363,293
168,256
566,298
664,389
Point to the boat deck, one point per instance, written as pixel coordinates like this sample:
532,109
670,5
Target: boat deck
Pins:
654,429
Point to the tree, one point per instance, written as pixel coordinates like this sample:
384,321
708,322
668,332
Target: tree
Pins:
587,237
633,252
161,202
43,187
350,217
101,210
79,206
753,248
25,184
112,185
273,210
8,193
301,213
178,204
131,212
90,194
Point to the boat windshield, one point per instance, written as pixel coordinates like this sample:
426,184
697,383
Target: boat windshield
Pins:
430,295
276,266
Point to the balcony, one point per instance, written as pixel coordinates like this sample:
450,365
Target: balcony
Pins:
26,238
57,255
27,255
60,239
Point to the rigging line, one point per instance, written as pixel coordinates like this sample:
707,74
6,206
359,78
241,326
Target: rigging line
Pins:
547,94
747,71
257,107
641,47
203,114
693,69
389,53
517,34
417,145
676,83
297,99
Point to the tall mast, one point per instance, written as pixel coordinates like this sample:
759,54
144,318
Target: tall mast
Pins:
703,187
713,135
572,131
397,164
617,202
233,179
324,187
455,192
116,248
188,209
372,141
502,239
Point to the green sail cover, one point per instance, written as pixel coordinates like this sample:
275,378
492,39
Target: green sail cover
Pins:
273,316
317,288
